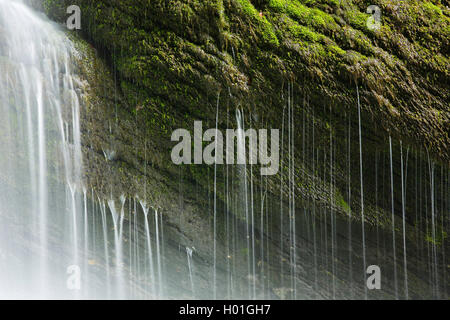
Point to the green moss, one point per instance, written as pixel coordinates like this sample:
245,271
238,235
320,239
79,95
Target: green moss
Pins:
264,26
171,61
439,238
336,50
301,32
312,17
341,202
432,10
357,19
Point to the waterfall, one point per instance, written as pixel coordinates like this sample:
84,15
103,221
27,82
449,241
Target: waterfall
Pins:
117,217
215,209
40,134
57,240
61,237
242,172
149,242
190,267
405,269
158,254
393,218
362,189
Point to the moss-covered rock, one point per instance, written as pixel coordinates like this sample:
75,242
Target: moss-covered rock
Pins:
192,49
171,60
165,64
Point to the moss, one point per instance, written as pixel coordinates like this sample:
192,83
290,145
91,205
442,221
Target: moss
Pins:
342,203
439,239
336,50
312,17
433,11
263,25
170,63
301,32
357,19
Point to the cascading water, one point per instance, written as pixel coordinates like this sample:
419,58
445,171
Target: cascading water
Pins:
54,241
189,260
54,227
242,172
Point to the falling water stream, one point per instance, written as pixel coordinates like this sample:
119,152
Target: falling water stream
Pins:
40,133
60,239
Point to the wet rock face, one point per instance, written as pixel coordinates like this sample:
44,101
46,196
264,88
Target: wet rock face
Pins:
180,54
170,62
158,67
